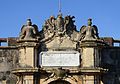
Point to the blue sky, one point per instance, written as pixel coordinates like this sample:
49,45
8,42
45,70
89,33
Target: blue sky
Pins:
105,14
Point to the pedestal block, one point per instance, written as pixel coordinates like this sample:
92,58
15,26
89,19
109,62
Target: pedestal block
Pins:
28,53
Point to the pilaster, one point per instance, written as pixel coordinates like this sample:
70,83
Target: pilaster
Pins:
27,61
91,56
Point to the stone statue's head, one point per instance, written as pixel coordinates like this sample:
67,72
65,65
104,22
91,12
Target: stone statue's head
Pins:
59,16
89,22
52,18
29,22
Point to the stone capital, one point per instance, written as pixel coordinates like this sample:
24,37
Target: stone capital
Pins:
92,43
28,43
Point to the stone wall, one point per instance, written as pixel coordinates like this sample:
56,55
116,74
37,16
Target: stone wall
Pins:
110,59
8,60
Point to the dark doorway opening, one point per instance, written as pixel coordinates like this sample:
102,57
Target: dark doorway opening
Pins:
59,82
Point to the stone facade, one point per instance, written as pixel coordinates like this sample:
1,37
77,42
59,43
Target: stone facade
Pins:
59,54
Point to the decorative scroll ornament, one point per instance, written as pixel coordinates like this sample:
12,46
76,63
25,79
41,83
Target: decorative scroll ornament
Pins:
58,74
58,26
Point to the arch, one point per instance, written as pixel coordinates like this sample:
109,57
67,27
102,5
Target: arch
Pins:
59,82
68,80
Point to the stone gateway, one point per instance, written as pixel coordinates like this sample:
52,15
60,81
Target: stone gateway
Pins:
59,54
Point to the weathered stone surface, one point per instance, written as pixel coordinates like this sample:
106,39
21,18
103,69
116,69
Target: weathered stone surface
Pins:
8,61
59,33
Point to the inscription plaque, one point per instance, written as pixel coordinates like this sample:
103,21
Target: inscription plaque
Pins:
60,58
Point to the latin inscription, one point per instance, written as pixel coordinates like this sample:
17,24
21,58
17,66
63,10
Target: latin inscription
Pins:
60,58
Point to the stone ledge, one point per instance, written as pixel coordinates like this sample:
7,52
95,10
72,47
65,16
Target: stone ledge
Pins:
92,70
28,43
29,71
92,43
19,71
82,70
8,47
